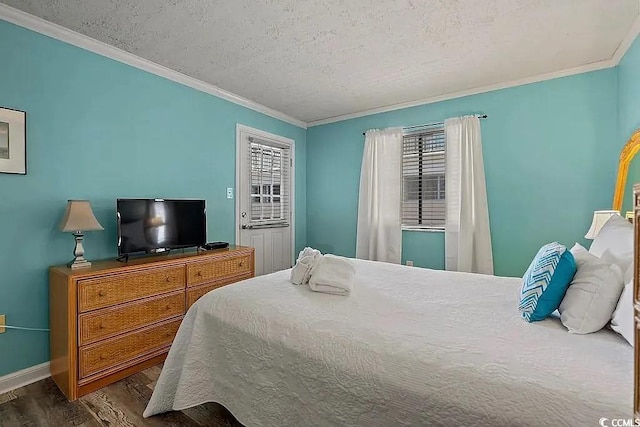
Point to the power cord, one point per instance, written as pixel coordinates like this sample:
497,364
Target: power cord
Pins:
25,329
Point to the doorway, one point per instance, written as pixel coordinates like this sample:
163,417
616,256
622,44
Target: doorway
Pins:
265,197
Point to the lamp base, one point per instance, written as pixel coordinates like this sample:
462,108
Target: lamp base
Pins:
76,263
78,251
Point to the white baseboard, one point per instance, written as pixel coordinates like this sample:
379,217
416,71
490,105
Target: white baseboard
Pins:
24,377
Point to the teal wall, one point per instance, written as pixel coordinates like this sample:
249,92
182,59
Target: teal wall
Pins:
550,161
98,129
424,248
629,111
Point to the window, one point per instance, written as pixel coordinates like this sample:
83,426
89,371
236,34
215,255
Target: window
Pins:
267,190
432,187
269,182
423,179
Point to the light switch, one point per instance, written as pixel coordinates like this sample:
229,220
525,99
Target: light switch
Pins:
229,192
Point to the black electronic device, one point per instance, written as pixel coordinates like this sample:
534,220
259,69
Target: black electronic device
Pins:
160,225
215,245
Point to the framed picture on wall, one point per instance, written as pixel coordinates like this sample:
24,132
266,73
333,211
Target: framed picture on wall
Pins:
13,141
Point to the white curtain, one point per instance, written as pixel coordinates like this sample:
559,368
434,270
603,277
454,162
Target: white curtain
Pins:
467,233
379,224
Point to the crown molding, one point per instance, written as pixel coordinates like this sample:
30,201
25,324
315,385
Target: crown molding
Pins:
619,53
39,25
474,91
58,32
626,43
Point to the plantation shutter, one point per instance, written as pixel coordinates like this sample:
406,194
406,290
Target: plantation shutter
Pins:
270,168
423,179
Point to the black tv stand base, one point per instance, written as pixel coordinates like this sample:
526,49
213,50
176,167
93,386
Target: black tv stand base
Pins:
125,258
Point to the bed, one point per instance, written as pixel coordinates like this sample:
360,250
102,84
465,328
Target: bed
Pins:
410,346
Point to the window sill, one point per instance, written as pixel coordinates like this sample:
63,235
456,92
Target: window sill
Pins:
425,229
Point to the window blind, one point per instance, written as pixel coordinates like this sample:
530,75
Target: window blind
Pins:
423,179
269,182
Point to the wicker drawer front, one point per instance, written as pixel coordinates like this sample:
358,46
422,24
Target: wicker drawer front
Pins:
194,294
119,288
98,325
112,352
203,272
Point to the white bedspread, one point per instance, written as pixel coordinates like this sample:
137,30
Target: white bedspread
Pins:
410,346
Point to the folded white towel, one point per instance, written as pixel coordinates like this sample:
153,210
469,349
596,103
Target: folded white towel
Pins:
333,275
308,252
301,272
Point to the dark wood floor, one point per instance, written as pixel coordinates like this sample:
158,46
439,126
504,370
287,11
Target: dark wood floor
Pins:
120,404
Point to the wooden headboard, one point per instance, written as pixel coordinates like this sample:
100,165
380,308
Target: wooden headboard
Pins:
636,300
631,148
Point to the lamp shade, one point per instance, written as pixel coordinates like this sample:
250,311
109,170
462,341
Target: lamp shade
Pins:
79,217
599,219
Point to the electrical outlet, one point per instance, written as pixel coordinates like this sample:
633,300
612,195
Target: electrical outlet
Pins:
229,192
2,323
410,263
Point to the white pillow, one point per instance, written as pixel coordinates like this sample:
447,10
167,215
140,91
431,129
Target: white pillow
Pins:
592,295
580,254
622,320
615,238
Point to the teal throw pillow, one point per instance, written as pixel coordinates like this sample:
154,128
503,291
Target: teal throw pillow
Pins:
546,281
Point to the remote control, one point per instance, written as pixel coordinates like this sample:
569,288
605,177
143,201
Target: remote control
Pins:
215,245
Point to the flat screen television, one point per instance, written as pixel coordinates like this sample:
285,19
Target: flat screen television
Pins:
159,225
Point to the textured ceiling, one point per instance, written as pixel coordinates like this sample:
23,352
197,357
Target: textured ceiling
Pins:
319,59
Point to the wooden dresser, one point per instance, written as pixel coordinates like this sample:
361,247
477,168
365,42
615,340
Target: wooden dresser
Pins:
114,319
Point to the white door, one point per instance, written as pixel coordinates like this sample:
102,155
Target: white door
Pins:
264,191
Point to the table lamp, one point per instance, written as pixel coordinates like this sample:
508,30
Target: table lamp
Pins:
599,218
77,219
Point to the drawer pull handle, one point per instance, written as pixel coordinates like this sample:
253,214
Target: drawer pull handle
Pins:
168,307
101,326
240,264
199,273
168,279
168,334
103,356
102,293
